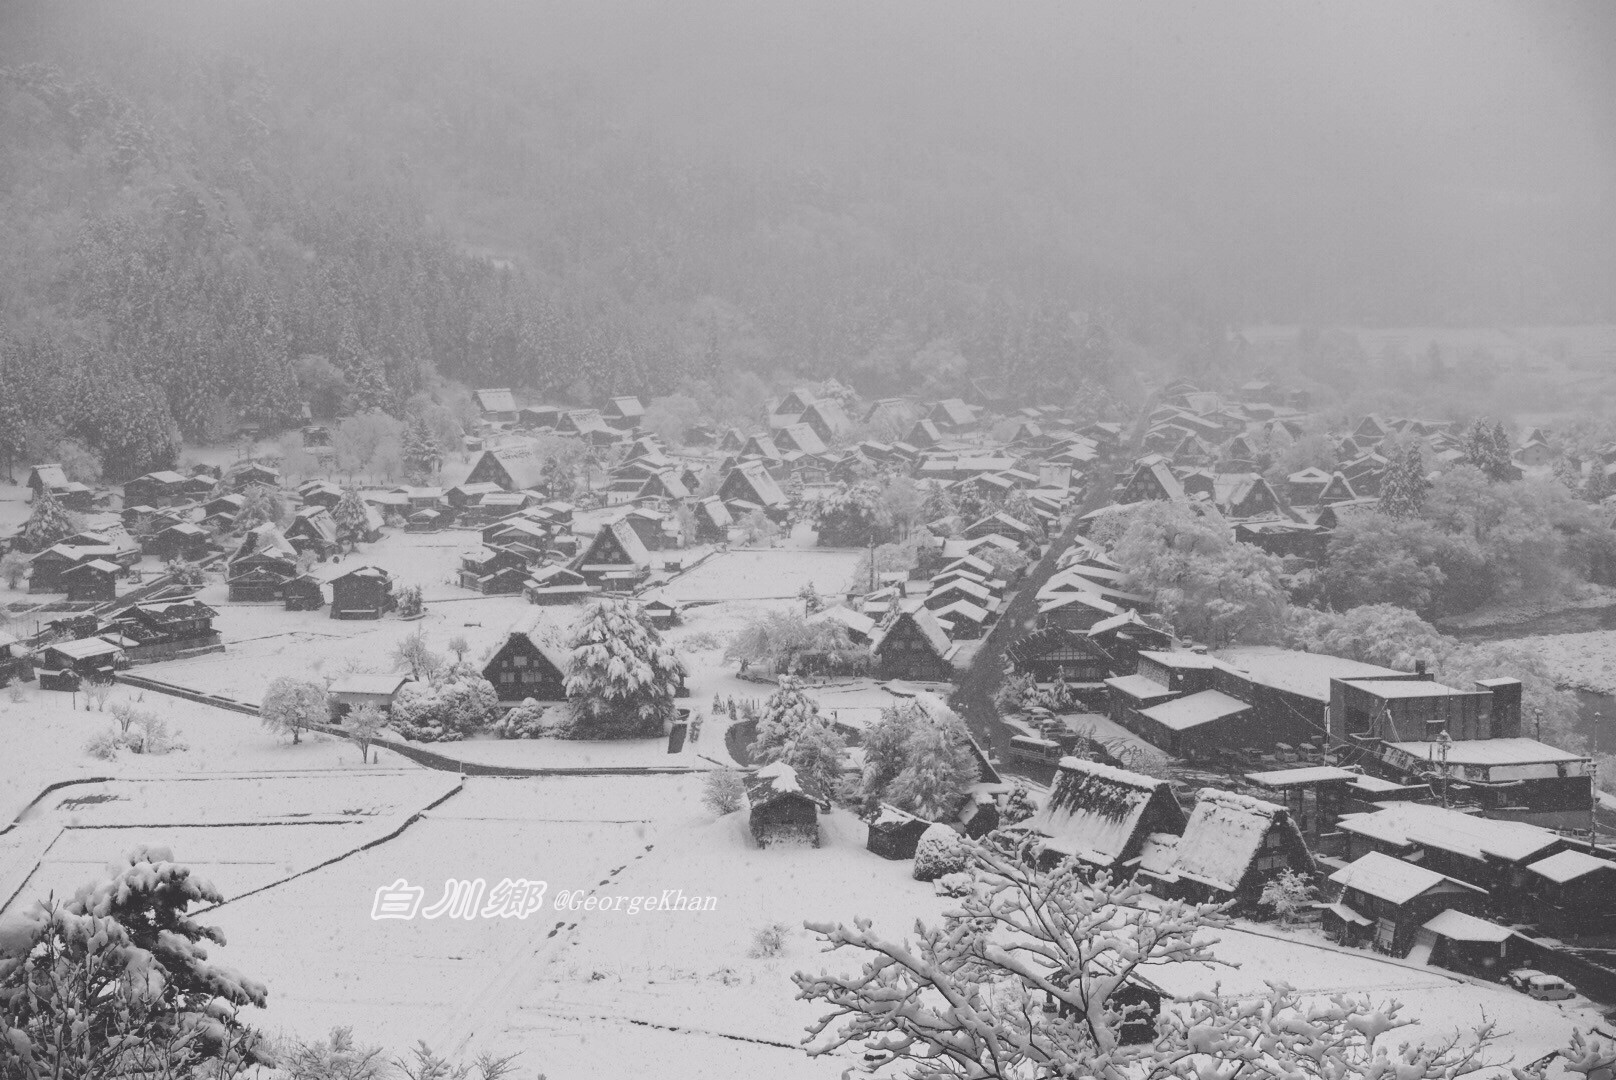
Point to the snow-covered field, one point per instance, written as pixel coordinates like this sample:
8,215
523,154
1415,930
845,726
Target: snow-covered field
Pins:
778,573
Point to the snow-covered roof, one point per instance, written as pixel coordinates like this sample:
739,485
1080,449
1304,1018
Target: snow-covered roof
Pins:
1195,710
496,401
84,648
1457,926
1094,810
1223,835
368,685
1311,774
1489,752
1179,658
1566,866
1140,687
1405,688
1390,879
1408,823
1305,674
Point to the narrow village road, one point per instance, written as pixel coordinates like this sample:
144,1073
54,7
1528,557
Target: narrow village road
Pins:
973,699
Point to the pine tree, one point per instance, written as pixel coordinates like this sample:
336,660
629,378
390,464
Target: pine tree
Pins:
421,455
792,730
352,517
1403,492
937,504
1487,448
47,525
940,769
621,677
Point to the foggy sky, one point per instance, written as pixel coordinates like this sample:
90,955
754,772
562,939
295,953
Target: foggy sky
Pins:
1303,159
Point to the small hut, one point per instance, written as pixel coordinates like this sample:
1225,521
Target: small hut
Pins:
894,833
784,810
364,593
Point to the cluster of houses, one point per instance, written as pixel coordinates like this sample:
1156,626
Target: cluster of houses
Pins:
1207,448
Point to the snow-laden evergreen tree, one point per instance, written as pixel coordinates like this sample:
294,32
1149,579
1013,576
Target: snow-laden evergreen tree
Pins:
422,458
851,516
938,771
351,517
48,524
260,504
1486,446
621,677
967,998
116,983
792,729
937,504
1402,495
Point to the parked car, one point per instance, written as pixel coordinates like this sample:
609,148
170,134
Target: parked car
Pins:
1540,985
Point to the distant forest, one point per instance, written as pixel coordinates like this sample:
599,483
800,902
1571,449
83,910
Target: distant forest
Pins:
210,212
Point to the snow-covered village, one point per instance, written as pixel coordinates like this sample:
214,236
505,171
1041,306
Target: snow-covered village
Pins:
767,614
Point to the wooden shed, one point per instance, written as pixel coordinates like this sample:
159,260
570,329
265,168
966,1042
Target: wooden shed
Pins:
784,811
894,833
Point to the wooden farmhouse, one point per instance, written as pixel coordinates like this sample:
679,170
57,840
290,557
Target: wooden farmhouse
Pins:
162,630
95,581
362,593
524,668
914,646
556,584
784,808
616,558
47,569
1057,654
182,541
498,405
1572,892
66,665
750,487
155,489
1385,901
1231,847
509,472
1102,816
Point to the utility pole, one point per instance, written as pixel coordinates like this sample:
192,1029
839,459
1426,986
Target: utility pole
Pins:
1537,723
1442,743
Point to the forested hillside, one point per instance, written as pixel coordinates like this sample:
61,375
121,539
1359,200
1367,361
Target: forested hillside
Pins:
219,210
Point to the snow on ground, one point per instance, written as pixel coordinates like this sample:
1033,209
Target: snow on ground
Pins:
771,573
242,832
564,998
44,736
264,641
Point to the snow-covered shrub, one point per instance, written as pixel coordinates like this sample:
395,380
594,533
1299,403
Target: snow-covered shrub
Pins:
446,712
955,885
769,940
1018,807
1288,893
103,745
702,640
338,1058
526,721
150,735
408,601
940,851
723,792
